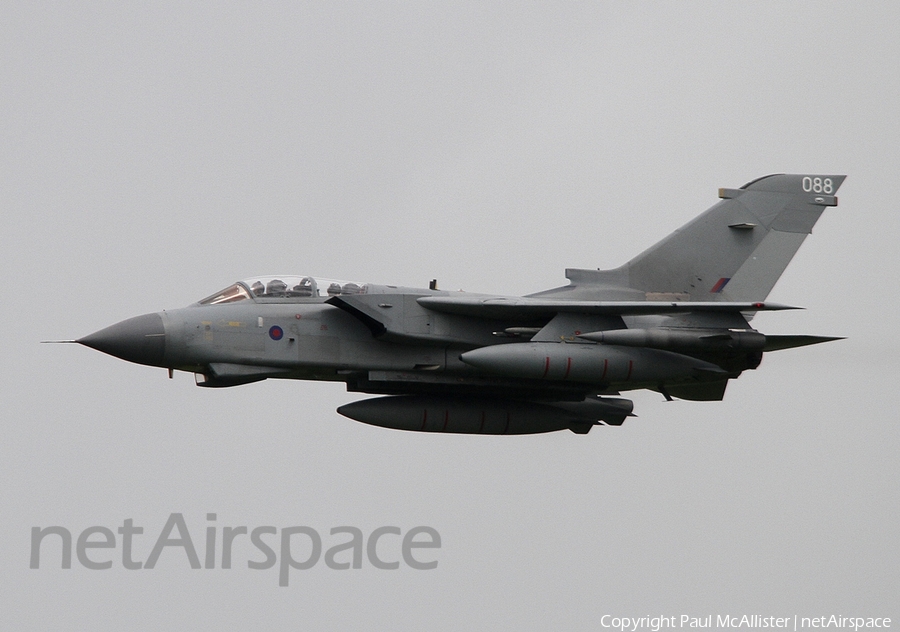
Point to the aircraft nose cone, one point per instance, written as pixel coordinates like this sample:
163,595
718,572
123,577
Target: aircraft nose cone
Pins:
141,339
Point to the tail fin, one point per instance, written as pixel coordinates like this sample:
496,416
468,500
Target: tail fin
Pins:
735,251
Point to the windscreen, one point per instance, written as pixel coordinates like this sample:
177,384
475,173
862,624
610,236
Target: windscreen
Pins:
231,294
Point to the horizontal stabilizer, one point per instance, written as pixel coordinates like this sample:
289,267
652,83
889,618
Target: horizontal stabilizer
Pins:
775,343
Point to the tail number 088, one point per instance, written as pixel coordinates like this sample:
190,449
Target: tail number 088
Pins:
817,185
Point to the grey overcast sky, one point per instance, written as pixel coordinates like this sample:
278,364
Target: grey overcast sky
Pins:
152,153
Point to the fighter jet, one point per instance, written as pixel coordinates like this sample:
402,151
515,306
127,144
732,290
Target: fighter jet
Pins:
675,319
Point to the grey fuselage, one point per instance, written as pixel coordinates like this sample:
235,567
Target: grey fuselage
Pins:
674,319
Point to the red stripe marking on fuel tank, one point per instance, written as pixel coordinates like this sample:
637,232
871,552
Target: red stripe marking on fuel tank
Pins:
630,367
568,368
546,366
424,418
446,419
605,368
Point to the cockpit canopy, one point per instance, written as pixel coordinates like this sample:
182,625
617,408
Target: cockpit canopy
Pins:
284,287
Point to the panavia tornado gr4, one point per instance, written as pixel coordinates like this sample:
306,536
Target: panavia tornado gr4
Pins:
675,319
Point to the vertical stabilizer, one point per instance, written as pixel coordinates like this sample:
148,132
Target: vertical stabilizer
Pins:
738,249
735,251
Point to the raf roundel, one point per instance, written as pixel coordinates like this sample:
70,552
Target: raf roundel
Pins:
276,332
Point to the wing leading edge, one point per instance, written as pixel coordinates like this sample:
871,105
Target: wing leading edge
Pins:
525,307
